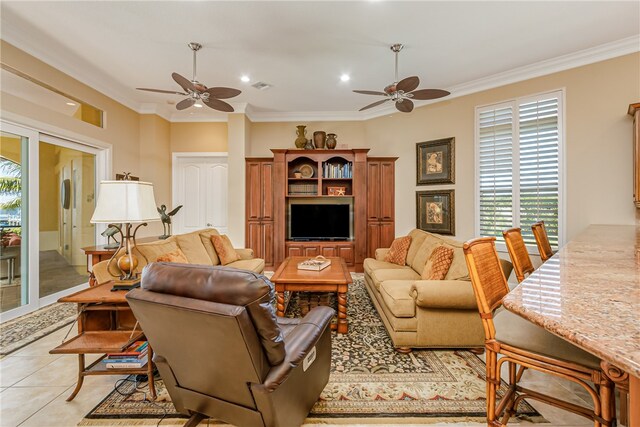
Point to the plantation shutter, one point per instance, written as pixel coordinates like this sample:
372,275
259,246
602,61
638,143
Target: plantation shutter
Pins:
539,160
496,170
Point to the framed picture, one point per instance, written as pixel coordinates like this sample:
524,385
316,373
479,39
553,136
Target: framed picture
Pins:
435,162
435,211
336,191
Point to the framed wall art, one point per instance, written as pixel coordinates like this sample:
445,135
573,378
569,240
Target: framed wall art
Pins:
435,211
435,162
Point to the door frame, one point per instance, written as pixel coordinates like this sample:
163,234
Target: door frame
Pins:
177,155
40,132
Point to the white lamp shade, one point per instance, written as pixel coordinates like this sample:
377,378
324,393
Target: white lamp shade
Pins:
125,201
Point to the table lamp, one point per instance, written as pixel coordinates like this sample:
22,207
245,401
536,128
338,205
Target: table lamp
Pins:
122,204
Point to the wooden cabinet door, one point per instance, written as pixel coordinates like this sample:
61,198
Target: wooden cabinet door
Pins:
346,252
373,238
311,251
386,210
254,196
267,242
254,238
329,251
373,190
266,190
387,234
294,251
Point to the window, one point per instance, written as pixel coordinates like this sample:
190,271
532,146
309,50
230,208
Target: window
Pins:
519,149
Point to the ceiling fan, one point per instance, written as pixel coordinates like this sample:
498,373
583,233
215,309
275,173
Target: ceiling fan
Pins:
403,91
196,91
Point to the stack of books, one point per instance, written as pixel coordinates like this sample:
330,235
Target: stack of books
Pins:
134,357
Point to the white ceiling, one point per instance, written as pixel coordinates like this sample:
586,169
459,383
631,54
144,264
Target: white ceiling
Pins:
302,48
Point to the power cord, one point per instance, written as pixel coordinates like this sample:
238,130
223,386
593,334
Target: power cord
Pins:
139,387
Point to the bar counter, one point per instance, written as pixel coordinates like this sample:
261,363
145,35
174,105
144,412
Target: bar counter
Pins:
589,294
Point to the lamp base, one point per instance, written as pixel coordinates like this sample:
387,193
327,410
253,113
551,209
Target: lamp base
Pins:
125,285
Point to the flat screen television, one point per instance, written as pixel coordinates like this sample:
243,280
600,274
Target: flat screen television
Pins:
309,221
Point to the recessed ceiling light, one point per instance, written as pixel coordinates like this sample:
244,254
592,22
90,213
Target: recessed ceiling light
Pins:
245,79
197,105
71,104
345,77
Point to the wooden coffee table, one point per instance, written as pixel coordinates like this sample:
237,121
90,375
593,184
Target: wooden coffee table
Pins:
335,278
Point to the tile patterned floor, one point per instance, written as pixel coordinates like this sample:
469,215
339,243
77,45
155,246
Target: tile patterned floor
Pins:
35,384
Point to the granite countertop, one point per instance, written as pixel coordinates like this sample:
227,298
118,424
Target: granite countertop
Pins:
589,294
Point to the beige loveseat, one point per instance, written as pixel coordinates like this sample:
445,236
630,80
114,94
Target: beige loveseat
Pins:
196,246
425,313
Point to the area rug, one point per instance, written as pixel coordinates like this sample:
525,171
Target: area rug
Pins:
23,330
369,383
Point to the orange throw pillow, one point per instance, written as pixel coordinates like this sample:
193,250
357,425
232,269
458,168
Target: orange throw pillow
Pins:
224,249
398,251
174,256
438,264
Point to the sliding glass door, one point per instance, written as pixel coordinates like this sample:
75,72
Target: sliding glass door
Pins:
47,198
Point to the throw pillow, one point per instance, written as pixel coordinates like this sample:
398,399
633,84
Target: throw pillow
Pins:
174,256
224,249
398,251
438,264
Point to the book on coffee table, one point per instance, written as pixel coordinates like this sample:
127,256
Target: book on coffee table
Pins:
314,264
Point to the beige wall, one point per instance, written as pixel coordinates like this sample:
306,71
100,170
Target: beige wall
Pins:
199,137
49,191
155,163
598,143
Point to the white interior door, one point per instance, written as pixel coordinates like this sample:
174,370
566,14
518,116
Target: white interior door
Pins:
200,186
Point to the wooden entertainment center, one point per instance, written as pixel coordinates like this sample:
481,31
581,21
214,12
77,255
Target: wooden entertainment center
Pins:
345,177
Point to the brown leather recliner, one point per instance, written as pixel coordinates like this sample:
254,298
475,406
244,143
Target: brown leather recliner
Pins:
222,353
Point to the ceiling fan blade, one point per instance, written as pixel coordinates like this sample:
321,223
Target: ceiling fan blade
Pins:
185,83
370,92
216,104
406,106
185,103
424,94
408,84
162,91
223,92
374,104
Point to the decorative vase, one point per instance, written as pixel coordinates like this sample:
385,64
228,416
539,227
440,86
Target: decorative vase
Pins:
308,145
331,141
301,140
319,137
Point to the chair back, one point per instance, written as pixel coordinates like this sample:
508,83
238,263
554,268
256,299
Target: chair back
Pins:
487,278
542,240
213,329
518,252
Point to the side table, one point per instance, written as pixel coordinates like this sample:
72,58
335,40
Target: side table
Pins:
105,325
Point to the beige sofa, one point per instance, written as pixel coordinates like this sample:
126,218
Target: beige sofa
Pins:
425,313
196,246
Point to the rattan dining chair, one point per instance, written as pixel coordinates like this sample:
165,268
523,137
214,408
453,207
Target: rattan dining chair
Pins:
524,345
542,240
522,265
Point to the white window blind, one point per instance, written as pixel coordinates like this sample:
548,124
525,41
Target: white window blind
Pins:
519,145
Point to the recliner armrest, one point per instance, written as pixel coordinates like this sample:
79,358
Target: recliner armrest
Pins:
380,253
245,253
457,294
298,344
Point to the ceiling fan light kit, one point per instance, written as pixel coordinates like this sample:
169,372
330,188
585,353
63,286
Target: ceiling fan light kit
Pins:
196,91
402,92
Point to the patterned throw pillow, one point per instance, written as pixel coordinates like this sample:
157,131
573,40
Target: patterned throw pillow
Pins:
174,256
438,264
224,249
398,251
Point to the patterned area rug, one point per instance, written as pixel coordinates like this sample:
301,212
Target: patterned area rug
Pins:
23,330
370,382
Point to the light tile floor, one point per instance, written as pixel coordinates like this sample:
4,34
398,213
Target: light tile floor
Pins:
35,384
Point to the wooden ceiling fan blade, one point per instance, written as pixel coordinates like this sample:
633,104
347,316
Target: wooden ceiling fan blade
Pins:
424,94
223,92
406,106
185,103
408,84
162,91
185,83
216,104
374,104
370,92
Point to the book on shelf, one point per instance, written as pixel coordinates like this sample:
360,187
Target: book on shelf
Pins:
314,264
332,171
136,349
129,365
